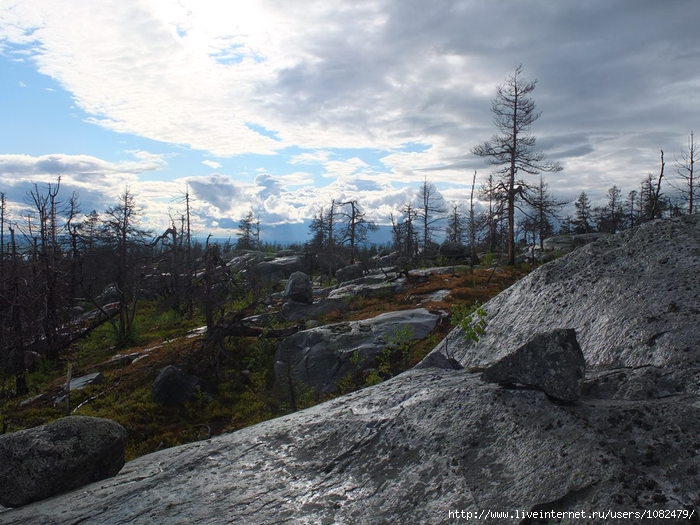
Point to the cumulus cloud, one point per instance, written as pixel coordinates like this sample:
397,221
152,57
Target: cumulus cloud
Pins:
218,190
335,80
96,182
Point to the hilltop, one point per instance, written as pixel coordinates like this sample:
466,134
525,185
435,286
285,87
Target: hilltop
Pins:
434,440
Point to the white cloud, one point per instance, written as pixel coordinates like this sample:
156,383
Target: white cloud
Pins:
96,182
617,82
212,164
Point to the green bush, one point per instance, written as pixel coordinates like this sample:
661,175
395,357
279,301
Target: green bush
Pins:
472,320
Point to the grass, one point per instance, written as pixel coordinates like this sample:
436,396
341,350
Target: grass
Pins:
235,392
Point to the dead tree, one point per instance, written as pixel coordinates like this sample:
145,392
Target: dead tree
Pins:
655,209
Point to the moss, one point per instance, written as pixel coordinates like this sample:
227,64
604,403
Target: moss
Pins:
236,383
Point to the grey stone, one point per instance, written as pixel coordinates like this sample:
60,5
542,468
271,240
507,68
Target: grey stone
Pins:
436,270
349,273
279,268
566,243
374,286
552,362
243,260
293,311
71,452
299,288
438,360
173,387
78,383
409,450
318,358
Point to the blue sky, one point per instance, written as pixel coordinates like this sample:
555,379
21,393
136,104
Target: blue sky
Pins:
279,106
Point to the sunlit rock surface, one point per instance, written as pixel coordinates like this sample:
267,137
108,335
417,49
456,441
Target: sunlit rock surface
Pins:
435,440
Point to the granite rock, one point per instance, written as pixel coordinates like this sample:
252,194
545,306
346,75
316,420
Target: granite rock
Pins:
43,461
551,361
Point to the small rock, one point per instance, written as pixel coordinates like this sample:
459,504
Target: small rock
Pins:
299,288
552,362
78,383
173,387
50,459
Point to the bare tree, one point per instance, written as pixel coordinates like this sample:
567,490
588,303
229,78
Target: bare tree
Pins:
405,234
630,206
47,254
544,210
472,225
455,226
513,150
356,227
430,210
121,231
685,167
494,212
656,195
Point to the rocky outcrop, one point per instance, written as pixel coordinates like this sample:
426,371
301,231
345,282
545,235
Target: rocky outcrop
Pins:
173,387
409,450
71,452
552,362
278,268
293,311
632,298
566,243
436,439
78,383
319,358
375,284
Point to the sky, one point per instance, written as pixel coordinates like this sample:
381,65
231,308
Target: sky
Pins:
279,106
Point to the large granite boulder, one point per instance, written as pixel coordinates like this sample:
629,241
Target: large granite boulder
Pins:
552,362
318,358
631,297
71,452
299,288
244,260
410,450
278,268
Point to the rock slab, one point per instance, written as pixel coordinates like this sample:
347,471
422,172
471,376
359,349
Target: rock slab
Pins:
552,362
318,358
40,462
